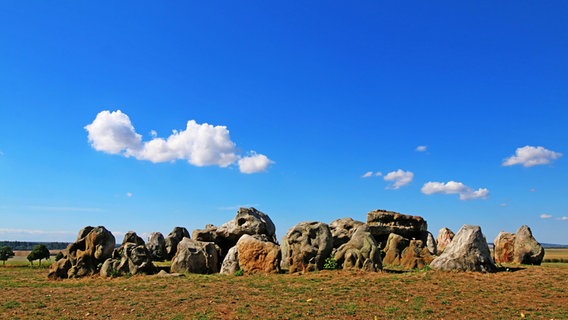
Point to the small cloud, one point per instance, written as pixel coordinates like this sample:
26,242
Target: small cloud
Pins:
421,148
254,163
153,133
564,218
529,156
504,204
453,187
369,174
545,216
532,190
129,194
399,178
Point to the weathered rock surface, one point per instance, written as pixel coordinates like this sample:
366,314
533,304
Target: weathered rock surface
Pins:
84,256
173,239
394,248
156,246
415,256
431,244
468,251
504,247
342,230
444,238
196,257
256,255
527,249
132,237
382,223
247,221
230,264
306,246
209,234
360,252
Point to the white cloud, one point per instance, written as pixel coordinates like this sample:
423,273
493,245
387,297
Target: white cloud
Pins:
545,216
529,156
453,187
129,194
254,163
199,144
112,132
369,174
565,218
504,204
399,178
421,148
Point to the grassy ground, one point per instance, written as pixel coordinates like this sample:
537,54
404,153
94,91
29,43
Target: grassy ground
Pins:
556,255
529,292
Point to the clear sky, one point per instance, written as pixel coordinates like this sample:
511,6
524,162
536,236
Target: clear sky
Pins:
148,115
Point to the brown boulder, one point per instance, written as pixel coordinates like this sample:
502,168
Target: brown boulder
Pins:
394,248
527,249
173,239
132,237
258,256
504,247
415,256
444,238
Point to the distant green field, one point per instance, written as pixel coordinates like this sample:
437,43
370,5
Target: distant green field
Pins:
556,255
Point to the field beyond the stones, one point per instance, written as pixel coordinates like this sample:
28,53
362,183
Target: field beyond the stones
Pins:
521,292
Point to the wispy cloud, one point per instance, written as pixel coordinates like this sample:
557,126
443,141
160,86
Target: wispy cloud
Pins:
421,148
545,216
399,178
529,156
453,187
7,231
200,144
564,218
370,174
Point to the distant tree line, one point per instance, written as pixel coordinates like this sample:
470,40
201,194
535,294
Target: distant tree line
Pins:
27,245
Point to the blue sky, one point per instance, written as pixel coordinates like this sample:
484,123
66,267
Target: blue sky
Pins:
307,111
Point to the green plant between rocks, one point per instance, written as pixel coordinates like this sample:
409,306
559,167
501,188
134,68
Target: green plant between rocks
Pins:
239,273
330,264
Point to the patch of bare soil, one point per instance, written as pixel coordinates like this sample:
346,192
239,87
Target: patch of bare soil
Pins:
528,292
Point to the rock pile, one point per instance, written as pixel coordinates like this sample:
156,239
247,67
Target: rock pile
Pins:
519,248
248,243
82,258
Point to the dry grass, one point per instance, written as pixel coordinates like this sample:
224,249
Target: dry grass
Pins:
556,255
535,292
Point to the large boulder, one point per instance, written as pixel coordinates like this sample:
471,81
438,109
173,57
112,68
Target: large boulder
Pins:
230,264
306,246
468,251
360,252
156,246
527,249
256,255
342,230
130,258
504,247
209,234
173,239
415,256
444,238
382,223
393,249
196,257
83,257
247,221
132,237
431,243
